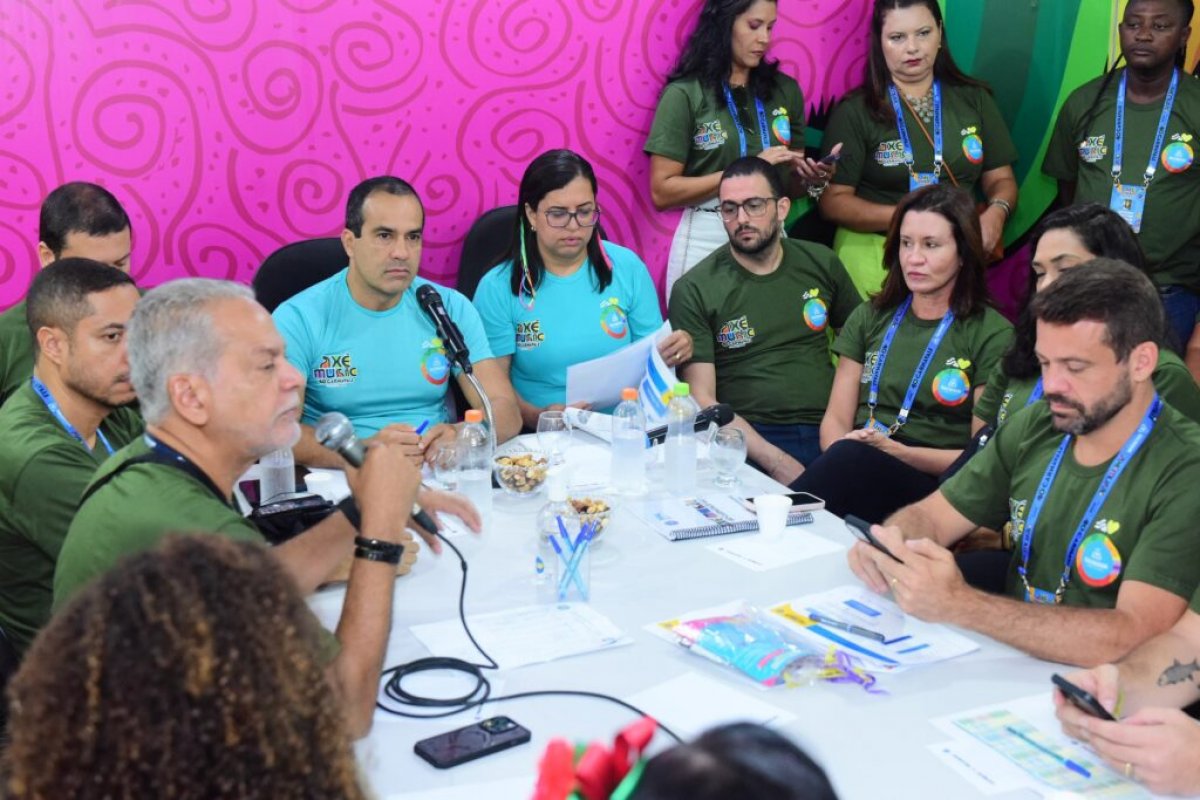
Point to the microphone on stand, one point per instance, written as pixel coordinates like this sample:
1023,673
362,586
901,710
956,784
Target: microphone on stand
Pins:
720,413
335,432
456,348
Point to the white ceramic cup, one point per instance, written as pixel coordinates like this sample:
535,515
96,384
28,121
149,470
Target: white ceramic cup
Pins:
772,512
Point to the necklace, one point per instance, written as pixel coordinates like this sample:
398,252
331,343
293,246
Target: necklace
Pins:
923,106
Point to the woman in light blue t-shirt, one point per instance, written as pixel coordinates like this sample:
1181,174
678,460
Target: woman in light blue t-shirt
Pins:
560,296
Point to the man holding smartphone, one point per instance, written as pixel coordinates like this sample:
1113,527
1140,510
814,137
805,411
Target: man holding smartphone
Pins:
1097,482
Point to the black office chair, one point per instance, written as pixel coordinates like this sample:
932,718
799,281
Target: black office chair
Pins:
9,661
487,241
295,267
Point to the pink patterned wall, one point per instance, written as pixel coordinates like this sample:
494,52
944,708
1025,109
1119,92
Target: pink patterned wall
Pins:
228,128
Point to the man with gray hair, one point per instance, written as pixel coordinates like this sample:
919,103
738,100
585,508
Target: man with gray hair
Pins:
217,393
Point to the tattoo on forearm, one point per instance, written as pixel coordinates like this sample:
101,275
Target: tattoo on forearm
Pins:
1178,673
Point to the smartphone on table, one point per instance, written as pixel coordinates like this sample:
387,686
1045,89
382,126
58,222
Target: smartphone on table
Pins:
474,741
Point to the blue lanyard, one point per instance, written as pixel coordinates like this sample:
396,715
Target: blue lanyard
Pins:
737,122
1036,394
1126,454
56,412
1159,138
922,366
909,159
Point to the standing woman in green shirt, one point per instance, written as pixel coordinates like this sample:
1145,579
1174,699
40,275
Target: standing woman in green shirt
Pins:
916,120
913,361
724,100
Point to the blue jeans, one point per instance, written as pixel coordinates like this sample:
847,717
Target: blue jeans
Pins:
801,442
1181,306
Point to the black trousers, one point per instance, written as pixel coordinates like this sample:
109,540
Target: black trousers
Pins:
856,478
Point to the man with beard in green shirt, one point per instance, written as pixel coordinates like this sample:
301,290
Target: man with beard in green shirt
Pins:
1097,482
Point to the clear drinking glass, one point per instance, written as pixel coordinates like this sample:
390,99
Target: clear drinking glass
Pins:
445,466
728,452
553,435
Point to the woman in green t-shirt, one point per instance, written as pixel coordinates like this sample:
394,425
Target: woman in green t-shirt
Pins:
723,100
912,93
912,362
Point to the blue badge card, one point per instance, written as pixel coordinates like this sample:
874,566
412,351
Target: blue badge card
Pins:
1129,202
918,179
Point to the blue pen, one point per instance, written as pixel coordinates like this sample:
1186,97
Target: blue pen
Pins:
422,427
567,574
572,574
1066,762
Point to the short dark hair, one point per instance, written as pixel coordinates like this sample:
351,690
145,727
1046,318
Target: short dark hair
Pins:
79,207
1108,291
739,760
58,296
753,165
359,194
970,294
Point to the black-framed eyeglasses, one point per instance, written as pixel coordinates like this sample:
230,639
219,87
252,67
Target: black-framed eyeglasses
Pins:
561,218
755,207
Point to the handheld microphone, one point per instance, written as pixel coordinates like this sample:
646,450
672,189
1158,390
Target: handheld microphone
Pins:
431,303
720,413
334,431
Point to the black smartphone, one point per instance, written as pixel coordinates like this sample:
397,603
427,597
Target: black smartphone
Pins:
862,529
803,501
1082,700
831,159
474,741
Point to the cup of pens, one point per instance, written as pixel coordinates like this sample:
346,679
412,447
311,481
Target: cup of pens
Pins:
573,562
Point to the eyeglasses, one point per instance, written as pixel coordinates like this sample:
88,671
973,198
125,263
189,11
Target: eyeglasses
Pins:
584,217
755,207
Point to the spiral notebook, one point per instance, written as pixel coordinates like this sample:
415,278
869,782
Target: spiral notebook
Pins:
680,518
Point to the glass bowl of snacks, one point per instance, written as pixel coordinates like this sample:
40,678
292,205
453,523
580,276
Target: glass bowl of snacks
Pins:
521,473
591,507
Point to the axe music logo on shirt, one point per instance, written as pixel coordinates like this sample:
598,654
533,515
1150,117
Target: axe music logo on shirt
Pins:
890,154
972,145
951,386
612,318
1016,518
530,335
1092,149
335,369
434,364
1178,156
735,334
781,126
816,312
709,135
1098,561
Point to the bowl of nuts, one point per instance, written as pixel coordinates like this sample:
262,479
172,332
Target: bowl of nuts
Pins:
522,473
592,507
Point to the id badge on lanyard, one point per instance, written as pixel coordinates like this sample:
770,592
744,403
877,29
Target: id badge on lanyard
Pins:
1129,200
918,179
1035,595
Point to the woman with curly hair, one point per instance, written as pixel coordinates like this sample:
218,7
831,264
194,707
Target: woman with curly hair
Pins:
724,100
188,671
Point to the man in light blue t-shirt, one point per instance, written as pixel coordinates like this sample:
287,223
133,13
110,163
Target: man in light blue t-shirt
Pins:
368,350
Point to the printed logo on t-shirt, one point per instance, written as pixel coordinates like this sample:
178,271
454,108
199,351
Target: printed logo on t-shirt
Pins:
1092,149
781,126
1178,155
951,386
869,362
1016,518
972,145
529,335
890,154
612,318
816,313
434,364
735,334
335,369
709,135
1098,561
1002,414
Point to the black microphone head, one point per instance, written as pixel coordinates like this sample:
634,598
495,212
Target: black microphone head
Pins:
333,430
428,296
722,414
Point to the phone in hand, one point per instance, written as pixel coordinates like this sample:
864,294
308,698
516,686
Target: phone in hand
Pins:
831,159
862,529
1082,700
474,741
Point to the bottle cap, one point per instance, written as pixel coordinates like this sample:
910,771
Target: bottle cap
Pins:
629,393
682,389
474,415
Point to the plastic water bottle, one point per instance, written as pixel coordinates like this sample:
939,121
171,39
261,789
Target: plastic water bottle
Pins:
681,442
276,475
629,445
547,526
475,464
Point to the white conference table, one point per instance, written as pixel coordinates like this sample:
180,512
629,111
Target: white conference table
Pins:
872,746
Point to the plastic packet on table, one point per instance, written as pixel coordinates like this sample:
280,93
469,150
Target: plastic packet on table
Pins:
756,645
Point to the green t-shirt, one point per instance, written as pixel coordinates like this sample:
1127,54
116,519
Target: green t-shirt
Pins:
941,414
975,140
16,350
767,335
1145,531
694,127
1002,397
1170,234
43,472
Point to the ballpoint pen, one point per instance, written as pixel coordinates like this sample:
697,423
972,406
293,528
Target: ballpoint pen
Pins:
847,627
1066,762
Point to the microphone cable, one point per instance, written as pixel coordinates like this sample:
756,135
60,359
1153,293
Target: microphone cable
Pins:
481,693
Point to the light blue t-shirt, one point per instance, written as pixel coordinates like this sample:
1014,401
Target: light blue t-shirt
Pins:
376,367
571,321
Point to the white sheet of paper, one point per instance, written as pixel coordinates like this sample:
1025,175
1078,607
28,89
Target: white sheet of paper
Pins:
692,703
984,769
593,423
762,553
600,381
508,789
517,637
